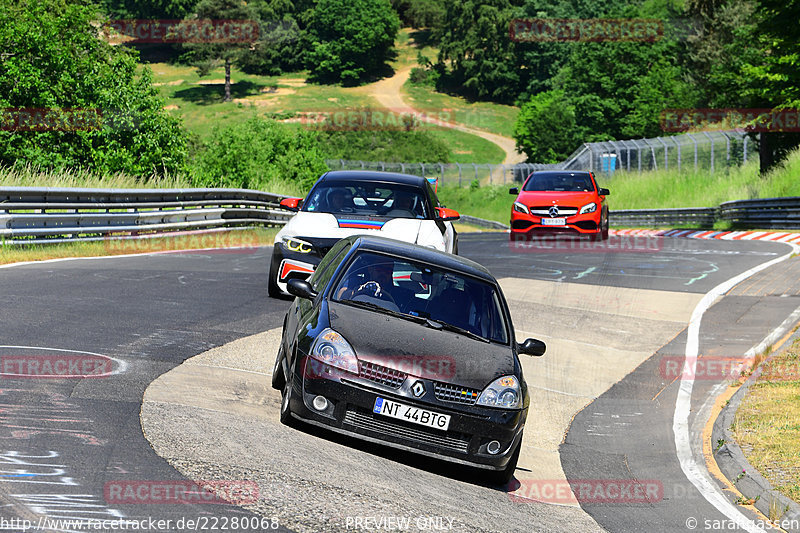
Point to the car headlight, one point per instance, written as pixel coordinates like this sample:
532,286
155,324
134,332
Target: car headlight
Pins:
588,208
332,349
297,245
503,392
521,208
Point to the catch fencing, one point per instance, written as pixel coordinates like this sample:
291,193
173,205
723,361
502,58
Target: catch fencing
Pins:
705,151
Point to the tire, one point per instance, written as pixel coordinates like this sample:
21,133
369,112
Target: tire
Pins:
503,477
286,397
278,378
604,231
272,282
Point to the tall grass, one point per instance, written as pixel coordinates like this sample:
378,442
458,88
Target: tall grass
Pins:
30,176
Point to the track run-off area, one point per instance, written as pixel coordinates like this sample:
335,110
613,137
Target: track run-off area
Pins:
171,356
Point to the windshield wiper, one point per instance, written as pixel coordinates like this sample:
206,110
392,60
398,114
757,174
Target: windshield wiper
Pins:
456,329
379,308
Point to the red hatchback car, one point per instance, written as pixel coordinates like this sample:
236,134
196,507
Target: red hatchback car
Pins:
559,202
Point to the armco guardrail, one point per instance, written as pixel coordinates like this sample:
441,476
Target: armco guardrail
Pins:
699,217
777,213
766,213
40,215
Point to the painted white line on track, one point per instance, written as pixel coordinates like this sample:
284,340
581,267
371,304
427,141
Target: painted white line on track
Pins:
122,366
695,472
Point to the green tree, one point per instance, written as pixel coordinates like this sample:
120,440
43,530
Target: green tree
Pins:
476,56
258,152
351,39
206,54
147,9
281,45
546,130
52,58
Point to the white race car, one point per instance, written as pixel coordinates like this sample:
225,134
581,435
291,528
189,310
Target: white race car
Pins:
347,202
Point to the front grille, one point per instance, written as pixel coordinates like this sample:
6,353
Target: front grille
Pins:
544,211
381,374
369,422
453,393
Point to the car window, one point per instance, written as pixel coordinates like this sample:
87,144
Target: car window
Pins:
367,199
422,290
566,181
324,271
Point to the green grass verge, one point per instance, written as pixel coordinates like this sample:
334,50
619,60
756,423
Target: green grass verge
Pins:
247,239
767,424
494,118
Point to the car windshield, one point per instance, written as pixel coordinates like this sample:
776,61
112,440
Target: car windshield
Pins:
566,181
424,293
368,199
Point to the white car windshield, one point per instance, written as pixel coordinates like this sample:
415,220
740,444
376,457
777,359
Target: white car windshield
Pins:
363,198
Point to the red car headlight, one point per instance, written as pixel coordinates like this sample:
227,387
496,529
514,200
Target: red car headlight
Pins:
519,207
588,208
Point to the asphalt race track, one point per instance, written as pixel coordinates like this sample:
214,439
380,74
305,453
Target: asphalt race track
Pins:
74,448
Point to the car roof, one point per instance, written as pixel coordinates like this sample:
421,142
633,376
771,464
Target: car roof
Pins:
559,172
373,176
422,253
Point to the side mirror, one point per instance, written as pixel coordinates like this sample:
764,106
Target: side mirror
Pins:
300,288
291,204
513,190
603,192
447,214
533,347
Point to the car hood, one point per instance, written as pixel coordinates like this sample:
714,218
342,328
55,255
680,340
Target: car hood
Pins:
419,350
326,225
571,199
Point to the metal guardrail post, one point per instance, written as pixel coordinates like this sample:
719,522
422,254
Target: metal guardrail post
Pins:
678,146
745,138
695,149
712,149
666,153
652,153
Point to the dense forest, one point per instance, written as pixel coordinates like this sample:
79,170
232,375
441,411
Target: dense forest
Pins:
705,54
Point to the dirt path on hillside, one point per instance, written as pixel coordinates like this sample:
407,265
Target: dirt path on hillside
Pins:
389,94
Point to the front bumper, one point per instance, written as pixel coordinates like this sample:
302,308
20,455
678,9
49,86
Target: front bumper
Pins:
530,225
287,264
351,398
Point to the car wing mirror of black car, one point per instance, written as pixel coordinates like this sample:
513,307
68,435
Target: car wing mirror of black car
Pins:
300,288
513,190
533,347
603,192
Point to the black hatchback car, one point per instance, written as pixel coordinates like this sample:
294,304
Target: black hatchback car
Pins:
406,346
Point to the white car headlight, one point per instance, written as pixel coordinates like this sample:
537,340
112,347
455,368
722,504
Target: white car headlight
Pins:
503,392
521,208
297,245
588,208
332,349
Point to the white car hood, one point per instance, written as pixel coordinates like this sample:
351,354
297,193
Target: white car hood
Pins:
325,225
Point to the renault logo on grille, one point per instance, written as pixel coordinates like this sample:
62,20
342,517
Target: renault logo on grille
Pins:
418,389
554,211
